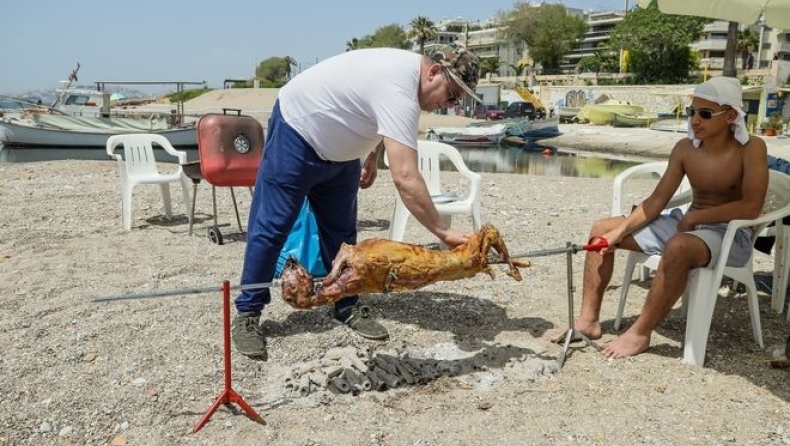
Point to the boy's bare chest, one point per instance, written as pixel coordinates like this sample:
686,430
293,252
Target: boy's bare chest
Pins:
720,172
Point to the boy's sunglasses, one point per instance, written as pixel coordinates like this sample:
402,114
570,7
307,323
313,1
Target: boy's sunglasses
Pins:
703,113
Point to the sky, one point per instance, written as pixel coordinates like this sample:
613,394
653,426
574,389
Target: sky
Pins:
168,40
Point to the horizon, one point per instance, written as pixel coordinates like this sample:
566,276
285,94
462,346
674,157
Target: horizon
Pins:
164,41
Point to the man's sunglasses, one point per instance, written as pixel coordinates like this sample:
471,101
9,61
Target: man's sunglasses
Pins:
452,96
704,113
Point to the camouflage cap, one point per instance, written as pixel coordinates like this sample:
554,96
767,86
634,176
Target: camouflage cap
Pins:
461,65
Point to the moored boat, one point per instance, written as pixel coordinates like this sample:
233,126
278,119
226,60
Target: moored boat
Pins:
671,124
513,131
525,131
603,113
78,124
629,120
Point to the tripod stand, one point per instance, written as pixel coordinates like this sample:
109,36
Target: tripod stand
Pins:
571,334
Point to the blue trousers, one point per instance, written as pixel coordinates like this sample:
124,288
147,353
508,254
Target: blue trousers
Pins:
289,172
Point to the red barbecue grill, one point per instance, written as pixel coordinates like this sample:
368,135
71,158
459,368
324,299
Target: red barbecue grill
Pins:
230,148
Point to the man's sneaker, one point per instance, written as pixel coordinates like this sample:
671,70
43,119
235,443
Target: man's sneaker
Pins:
359,319
248,335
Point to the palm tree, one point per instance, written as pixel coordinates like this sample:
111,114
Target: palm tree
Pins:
352,44
730,49
747,40
289,63
489,65
518,68
422,29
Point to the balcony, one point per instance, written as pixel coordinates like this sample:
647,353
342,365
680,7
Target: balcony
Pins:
711,45
713,63
718,26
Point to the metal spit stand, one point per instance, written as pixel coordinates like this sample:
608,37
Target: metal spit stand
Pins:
571,334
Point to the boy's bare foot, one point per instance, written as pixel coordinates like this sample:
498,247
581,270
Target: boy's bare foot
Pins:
590,329
628,344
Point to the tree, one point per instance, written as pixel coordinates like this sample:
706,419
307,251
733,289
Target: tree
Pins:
274,71
747,41
658,44
547,30
489,65
422,30
518,68
390,36
352,44
729,50
290,63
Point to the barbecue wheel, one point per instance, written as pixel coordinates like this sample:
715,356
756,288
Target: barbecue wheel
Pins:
215,235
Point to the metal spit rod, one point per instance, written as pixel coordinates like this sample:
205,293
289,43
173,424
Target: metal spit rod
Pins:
185,291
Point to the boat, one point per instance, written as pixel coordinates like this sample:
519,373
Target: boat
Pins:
568,114
635,120
603,113
79,122
72,132
526,132
678,124
474,134
513,131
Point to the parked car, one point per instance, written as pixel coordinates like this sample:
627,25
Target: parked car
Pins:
488,112
520,109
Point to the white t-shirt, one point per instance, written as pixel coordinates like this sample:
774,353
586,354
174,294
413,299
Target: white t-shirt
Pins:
346,104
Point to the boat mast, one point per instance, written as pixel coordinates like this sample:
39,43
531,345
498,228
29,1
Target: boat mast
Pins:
72,78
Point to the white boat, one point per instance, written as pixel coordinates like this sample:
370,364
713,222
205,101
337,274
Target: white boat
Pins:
78,124
678,124
485,134
492,134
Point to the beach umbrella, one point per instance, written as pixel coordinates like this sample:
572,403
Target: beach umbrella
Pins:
775,13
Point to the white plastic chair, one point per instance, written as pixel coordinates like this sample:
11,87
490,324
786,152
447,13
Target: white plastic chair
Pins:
138,166
781,234
429,153
699,298
648,263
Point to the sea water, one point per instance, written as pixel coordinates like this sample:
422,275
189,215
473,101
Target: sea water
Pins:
542,160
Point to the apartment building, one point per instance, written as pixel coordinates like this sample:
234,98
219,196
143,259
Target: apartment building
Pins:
484,38
599,27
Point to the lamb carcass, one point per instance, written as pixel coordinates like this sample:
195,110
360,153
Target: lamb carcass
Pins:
383,266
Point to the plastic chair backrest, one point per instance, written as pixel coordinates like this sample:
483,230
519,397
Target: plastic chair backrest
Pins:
650,170
430,153
138,152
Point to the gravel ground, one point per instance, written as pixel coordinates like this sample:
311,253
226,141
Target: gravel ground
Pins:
143,372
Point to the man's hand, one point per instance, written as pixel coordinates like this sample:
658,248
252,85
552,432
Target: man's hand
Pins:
454,237
613,237
369,171
687,223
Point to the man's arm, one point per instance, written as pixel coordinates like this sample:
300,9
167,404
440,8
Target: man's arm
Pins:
652,206
414,192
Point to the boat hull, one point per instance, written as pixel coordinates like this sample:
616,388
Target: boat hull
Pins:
603,113
626,120
510,131
50,144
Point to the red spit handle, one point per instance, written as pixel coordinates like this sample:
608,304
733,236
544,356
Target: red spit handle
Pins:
596,244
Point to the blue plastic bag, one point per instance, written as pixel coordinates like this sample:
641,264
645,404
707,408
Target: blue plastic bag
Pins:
302,243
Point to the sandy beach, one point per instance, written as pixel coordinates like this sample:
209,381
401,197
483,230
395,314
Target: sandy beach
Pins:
143,372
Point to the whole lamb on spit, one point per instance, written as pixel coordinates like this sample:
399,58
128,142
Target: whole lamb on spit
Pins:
382,266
